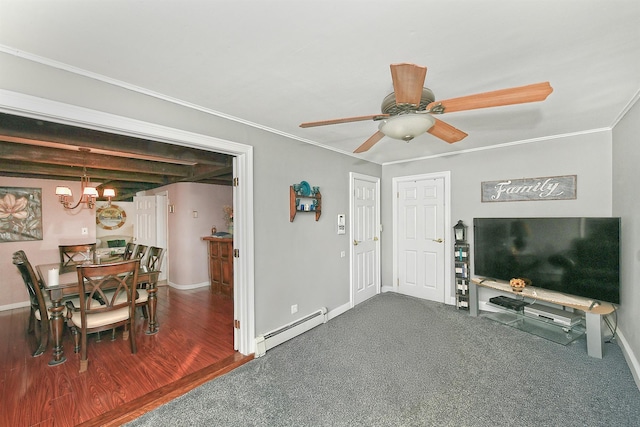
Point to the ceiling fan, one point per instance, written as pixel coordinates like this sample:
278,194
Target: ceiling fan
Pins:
408,111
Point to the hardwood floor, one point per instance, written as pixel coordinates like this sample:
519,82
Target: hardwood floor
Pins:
194,345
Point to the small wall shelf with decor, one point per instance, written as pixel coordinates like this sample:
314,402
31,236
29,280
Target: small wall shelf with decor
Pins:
304,198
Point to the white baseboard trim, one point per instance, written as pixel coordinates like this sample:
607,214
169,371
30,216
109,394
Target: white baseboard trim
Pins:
338,311
14,305
448,301
630,357
186,287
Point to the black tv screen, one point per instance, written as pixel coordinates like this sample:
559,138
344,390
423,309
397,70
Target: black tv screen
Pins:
577,256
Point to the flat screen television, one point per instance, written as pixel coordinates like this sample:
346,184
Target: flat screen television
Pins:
576,256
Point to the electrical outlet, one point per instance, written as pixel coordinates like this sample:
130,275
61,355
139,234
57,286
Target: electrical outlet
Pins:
85,231
294,308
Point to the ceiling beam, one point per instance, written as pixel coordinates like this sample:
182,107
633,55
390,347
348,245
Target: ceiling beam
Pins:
46,155
35,130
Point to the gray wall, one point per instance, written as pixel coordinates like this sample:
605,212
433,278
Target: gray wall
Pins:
626,204
587,156
295,263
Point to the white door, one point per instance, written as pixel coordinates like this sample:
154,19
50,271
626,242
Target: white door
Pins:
421,238
144,229
365,258
151,226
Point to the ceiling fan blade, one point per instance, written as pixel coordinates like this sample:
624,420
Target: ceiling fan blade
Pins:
408,80
370,142
343,120
515,95
446,132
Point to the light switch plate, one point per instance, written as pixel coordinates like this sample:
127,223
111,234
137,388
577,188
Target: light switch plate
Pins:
341,224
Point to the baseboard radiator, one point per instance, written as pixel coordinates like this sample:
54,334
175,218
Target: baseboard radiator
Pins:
290,330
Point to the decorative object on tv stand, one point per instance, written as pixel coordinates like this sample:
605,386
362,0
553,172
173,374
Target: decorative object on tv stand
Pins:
517,284
461,263
304,198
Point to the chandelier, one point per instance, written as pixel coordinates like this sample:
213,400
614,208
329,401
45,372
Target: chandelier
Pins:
89,194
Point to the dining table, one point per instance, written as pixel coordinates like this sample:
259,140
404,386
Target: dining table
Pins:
64,283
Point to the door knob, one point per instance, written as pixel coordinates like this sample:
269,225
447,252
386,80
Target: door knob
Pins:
438,240
355,243
375,239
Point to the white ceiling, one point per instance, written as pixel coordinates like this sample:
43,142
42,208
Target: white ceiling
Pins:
276,64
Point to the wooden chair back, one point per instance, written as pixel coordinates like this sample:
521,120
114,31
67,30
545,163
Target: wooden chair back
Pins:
39,311
77,254
154,258
140,252
115,286
128,251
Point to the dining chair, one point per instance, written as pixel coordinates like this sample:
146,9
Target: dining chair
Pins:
40,302
115,286
77,254
140,252
153,263
39,316
128,251
154,258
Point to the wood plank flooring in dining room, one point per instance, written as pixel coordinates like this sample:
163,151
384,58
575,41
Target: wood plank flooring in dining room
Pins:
194,344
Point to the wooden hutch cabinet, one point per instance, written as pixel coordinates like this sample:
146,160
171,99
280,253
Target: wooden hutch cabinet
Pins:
220,265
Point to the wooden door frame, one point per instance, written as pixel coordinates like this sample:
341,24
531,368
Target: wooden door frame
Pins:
352,177
449,294
20,104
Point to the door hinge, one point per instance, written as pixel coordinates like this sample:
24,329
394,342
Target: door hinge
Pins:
398,281
236,324
236,182
236,253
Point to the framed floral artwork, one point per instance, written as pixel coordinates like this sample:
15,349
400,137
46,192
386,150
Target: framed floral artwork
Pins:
20,214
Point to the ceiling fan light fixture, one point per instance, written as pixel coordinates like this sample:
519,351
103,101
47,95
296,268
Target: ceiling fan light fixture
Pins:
406,126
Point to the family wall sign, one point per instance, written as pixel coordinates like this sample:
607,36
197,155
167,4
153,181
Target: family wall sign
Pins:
530,189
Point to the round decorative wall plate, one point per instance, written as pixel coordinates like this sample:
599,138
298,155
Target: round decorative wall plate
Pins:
110,217
305,188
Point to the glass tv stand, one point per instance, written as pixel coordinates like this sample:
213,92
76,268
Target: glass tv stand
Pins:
594,311
541,327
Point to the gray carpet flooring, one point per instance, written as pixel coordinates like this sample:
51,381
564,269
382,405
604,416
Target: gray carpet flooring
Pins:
400,361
